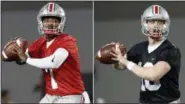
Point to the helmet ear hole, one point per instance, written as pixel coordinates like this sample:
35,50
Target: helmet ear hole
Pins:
146,21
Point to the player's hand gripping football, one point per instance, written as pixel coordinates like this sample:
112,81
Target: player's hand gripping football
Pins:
117,53
14,50
9,51
22,56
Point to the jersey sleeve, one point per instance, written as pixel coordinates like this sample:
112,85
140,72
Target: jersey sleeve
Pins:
133,54
70,45
172,57
34,48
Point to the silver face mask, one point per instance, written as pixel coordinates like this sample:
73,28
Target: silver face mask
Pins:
49,10
158,13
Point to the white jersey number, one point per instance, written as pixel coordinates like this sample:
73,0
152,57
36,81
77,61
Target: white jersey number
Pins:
53,82
146,83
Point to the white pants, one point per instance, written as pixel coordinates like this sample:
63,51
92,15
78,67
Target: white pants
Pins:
84,98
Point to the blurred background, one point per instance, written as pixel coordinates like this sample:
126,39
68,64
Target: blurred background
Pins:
23,84
120,21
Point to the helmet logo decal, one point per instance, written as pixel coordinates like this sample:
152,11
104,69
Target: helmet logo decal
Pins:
156,9
51,7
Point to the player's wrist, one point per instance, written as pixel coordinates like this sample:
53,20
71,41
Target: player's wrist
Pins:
130,65
27,60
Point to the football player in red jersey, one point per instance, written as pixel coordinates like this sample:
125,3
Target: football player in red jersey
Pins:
56,53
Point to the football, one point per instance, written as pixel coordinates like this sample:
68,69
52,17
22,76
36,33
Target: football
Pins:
21,42
104,55
9,54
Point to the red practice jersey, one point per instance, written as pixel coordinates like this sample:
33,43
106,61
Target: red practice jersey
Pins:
66,80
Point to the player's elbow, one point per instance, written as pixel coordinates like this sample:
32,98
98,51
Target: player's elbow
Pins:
56,65
156,75
154,78
60,59
159,70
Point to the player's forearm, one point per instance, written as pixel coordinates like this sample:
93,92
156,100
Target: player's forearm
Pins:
146,73
50,62
44,63
153,73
